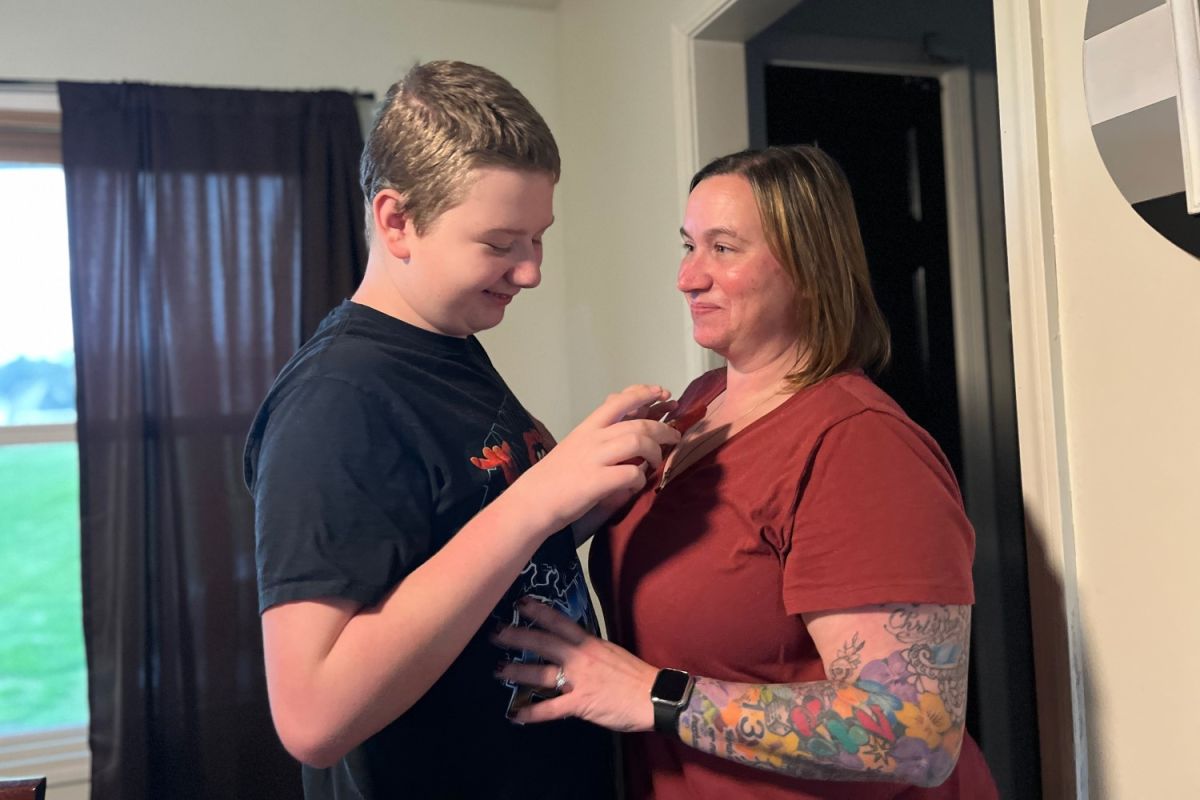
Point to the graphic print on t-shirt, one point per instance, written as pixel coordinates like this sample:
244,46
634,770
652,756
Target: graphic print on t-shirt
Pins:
541,579
566,594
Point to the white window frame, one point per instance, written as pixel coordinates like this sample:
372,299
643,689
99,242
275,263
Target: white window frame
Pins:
37,434
29,132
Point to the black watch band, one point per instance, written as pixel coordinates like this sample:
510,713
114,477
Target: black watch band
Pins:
670,695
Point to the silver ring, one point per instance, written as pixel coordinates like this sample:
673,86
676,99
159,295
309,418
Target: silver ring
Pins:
560,680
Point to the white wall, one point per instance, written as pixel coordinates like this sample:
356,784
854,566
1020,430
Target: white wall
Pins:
607,313
1129,317
622,197
306,44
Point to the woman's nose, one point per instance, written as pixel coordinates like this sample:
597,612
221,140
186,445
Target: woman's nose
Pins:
692,275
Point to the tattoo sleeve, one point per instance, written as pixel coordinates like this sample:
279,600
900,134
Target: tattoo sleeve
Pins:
898,718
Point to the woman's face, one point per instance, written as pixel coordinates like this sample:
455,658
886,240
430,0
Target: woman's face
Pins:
741,300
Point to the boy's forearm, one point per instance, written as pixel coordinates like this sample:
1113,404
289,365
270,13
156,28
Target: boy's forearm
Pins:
387,656
334,684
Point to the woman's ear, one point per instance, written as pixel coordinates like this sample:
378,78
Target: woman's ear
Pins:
393,226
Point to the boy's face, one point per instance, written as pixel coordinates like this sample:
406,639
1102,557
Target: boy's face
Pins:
473,259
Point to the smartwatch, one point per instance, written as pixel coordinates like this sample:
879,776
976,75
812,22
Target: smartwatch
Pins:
670,694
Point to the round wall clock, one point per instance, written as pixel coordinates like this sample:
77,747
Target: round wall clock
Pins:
1141,64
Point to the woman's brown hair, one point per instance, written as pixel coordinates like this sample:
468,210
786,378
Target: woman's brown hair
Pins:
808,218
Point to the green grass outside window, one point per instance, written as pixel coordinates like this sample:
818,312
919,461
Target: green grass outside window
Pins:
43,675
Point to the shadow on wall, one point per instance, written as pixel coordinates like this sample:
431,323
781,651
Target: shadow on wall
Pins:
1053,668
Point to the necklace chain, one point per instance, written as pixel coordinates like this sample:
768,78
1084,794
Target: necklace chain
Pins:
678,457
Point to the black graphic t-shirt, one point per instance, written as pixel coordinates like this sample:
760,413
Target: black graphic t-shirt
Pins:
376,444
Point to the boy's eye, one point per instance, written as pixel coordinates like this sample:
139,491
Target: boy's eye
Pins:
688,247
721,248
500,249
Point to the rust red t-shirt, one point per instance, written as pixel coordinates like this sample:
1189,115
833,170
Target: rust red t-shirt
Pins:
833,500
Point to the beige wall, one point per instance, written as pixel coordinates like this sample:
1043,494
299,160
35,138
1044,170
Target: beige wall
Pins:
607,313
622,197
1129,328
1129,314
351,44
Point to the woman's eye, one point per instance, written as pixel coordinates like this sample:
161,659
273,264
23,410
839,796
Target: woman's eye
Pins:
688,247
499,249
722,248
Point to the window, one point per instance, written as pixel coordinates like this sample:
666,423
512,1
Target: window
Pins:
43,673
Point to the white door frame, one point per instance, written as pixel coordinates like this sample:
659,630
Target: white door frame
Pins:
1041,423
1034,302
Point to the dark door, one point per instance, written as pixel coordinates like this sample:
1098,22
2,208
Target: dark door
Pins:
886,132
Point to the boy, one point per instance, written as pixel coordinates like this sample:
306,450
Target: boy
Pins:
404,498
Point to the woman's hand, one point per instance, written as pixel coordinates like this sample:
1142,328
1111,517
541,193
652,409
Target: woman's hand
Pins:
604,683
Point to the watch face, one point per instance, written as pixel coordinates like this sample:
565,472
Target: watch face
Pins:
669,685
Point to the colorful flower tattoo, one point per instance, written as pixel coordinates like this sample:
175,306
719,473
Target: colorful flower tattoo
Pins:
898,718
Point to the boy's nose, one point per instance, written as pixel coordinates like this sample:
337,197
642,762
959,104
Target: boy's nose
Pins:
527,273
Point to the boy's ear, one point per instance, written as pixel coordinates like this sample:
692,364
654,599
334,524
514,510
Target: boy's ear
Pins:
393,226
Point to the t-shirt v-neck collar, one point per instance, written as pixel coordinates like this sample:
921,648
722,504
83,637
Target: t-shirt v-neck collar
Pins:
714,384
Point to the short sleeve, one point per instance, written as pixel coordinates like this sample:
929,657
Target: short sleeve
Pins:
343,504
878,519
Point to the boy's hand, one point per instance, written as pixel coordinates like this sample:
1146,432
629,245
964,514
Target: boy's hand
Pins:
657,410
609,453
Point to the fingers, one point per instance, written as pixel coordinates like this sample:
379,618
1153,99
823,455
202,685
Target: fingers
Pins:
661,433
626,479
606,454
655,410
552,620
658,432
659,411
639,439
619,405
538,676
546,710
548,646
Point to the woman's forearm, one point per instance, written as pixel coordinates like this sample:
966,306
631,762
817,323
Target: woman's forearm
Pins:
900,720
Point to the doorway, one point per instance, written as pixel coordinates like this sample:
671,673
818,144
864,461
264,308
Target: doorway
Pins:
904,127
885,131
954,370
1018,497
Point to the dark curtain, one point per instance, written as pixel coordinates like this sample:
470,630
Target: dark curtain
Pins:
210,230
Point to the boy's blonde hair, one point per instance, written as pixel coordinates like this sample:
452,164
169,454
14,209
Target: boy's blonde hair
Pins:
441,121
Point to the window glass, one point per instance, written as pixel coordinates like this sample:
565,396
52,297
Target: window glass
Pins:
43,675
37,362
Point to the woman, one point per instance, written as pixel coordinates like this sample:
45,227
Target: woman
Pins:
801,562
